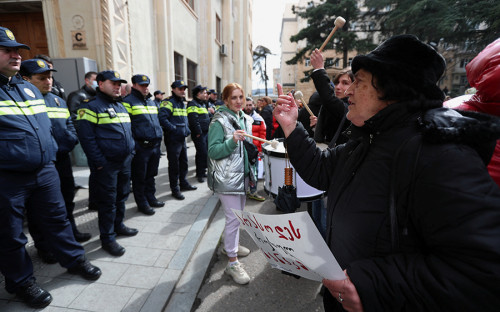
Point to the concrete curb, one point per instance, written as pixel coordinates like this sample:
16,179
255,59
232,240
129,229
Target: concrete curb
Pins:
166,292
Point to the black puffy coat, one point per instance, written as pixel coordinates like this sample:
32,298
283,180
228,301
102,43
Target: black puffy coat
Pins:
448,256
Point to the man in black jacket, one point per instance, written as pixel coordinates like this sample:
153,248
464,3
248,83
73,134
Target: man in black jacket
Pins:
87,91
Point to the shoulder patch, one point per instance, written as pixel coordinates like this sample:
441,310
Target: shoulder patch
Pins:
81,112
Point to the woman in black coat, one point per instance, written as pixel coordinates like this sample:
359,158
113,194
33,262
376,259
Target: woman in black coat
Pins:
413,215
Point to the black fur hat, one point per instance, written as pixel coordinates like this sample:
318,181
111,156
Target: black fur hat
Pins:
408,60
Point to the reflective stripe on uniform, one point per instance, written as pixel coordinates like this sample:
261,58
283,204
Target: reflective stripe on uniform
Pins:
141,109
30,107
197,110
58,112
179,112
102,118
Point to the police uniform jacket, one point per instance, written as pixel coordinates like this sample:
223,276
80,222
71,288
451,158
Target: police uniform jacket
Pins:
104,130
143,112
62,126
26,141
198,117
173,118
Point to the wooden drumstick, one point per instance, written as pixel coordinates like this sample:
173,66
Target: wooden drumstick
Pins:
299,96
339,23
273,143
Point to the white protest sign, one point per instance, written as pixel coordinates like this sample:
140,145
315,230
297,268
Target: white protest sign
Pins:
291,242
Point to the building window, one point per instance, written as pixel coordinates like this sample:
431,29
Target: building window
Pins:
191,76
232,50
190,3
178,66
307,62
218,29
463,80
464,62
218,85
349,62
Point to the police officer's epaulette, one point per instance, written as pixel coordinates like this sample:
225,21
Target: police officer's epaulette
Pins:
89,99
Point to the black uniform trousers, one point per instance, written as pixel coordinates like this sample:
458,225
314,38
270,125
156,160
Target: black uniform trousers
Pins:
201,145
144,170
177,163
65,172
39,193
112,186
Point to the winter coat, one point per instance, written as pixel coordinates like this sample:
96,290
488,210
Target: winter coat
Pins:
104,130
447,225
228,161
173,119
62,126
483,73
258,129
26,138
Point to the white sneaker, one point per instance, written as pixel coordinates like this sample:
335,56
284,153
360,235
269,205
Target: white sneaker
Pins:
238,274
242,251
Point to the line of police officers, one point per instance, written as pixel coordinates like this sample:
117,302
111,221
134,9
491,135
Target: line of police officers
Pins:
121,139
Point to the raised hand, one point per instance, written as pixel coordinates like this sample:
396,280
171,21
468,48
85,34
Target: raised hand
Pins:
286,111
317,59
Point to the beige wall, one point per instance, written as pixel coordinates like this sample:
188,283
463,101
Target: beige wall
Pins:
140,36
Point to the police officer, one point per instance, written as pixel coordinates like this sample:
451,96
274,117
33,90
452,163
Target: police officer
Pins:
39,73
158,97
147,133
29,181
57,87
173,119
105,133
198,124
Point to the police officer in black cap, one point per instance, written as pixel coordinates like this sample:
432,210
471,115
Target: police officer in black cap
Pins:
158,97
147,134
105,132
39,73
198,124
29,182
173,119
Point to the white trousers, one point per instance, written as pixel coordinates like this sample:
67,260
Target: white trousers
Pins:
232,228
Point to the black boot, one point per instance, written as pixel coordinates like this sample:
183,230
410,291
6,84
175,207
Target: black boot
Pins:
81,237
34,295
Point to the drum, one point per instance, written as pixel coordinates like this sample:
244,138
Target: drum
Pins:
274,168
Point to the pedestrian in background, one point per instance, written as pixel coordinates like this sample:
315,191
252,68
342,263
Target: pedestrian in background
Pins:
258,130
105,132
147,134
229,171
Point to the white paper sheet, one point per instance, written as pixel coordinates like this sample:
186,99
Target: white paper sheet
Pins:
291,242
